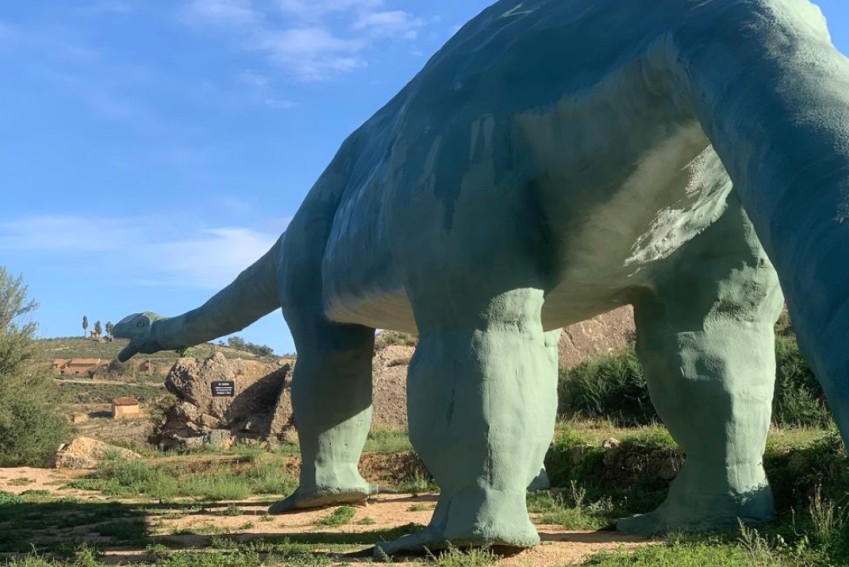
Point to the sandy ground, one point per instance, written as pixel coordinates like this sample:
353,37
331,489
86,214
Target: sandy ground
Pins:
190,528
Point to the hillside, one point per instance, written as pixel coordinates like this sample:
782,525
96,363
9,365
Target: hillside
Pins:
78,347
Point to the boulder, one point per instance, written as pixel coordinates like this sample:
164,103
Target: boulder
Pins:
389,389
86,453
257,408
604,334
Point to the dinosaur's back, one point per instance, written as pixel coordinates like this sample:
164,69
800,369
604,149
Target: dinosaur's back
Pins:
468,110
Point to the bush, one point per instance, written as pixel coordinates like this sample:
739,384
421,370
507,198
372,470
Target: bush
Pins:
613,387
610,387
30,428
241,344
798,397
394,338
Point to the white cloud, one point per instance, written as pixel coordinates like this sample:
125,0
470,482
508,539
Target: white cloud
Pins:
212,259
144,250
312,39
220,12
312,53
312,9
252,79
260,91
389,23
54,233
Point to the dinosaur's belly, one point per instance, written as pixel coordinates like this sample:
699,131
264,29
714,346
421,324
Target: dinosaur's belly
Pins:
677,190
611,245
360,281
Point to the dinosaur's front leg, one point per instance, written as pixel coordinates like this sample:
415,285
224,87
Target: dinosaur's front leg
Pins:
331,398
482,402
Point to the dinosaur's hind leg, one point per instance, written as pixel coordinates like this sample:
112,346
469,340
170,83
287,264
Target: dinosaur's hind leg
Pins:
482,391
705,340
331,398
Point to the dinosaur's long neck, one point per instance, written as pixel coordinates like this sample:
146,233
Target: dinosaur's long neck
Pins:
253,294
772,94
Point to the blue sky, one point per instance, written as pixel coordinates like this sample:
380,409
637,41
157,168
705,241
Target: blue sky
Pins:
152,149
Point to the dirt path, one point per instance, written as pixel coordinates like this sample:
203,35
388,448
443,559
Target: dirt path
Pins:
191,525
559,546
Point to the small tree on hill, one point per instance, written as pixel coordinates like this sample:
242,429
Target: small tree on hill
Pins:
98,328
109,327
30,428
85,324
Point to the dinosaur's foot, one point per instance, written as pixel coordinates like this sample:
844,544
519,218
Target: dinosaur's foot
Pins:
470,520
302,499
694,507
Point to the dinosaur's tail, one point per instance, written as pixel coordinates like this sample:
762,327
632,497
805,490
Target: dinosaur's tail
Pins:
253,294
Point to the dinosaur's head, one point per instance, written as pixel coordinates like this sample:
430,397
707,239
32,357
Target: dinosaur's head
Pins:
136,327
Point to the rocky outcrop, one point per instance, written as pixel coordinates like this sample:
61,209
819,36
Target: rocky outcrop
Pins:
260,407
86,453
600,335
389,379
253,402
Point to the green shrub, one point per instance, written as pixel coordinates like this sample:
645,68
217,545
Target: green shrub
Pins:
798,395
610,387
613,387
30,428
387,338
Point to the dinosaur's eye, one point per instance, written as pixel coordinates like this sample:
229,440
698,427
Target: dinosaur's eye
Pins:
140,324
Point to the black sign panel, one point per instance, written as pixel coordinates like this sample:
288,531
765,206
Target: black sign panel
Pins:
224,389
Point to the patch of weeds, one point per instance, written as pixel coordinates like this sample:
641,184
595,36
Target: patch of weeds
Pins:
325,539
454,557
572,510
830,524
237,479
756,546
231,510
131,532
247,526
387,441
7,498
207,529
275,552
366,522
418,484
653,436
339,517
20,481
266,517
82,555
35,493
86,556
209,559
418,508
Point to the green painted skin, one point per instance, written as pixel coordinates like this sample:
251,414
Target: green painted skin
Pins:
557,159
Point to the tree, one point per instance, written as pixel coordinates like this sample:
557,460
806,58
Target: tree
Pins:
98,328
85,324
109,327
30,428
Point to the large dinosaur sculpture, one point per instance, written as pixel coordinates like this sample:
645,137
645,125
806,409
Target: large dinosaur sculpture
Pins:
554,160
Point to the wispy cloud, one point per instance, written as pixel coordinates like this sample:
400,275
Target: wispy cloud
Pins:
211,259
313,53
390,23
58,233
221,12
312,39
141,250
